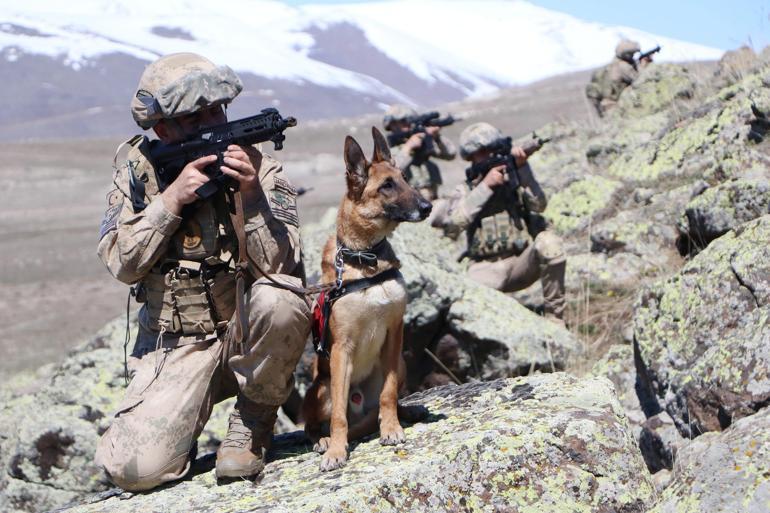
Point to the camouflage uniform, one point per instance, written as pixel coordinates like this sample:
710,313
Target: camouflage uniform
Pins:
423,174
507,241
182,363
607,83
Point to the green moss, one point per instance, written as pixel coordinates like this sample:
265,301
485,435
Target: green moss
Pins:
574,207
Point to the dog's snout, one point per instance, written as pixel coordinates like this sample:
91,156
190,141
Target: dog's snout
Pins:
424,207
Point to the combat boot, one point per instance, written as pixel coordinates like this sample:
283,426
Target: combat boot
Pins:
249,432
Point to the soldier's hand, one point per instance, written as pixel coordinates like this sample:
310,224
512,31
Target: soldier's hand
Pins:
432,130
241,164
519,155
495,177
414,142
182,190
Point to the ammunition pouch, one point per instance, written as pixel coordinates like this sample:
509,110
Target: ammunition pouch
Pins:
497,235
188,301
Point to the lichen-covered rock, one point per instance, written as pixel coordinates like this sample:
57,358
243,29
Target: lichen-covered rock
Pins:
722,208
723,472
544,443
658,87
659,442
574,208
701,336
442,300
617,365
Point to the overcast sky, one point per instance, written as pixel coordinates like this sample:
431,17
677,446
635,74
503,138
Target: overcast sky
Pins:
723,24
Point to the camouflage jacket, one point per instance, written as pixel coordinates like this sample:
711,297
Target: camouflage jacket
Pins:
611,80
426,174
139,247
467,208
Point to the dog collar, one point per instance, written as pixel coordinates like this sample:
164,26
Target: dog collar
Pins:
366,257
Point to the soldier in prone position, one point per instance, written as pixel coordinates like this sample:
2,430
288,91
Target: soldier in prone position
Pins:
507,241
182,268
413,157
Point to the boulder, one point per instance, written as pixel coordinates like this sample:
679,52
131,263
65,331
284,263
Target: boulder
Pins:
723,472
659,442
574,208
658,87
720,209
549,442
701,336
617,365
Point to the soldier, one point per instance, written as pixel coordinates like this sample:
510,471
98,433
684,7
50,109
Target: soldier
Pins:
608,82
422,173
507,242
181,265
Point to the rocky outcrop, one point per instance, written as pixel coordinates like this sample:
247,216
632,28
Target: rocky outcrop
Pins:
549,442
701,337
617,365
723,472
720,209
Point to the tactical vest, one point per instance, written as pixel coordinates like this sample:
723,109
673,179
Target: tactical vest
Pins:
502,228
191,289
425,175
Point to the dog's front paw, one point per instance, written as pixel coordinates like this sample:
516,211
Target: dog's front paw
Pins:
334,458
392,436
322,444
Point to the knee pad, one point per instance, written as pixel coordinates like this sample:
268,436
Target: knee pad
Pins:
549,248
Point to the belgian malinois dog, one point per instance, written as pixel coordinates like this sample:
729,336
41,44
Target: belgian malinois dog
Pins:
360,381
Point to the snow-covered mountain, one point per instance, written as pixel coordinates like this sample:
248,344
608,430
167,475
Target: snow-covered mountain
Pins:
79,61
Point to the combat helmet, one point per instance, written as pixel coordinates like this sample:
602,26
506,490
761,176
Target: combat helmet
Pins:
179,84
476,137
397,112
626,49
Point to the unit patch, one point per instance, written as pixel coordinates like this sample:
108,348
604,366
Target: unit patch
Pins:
283,202
110,221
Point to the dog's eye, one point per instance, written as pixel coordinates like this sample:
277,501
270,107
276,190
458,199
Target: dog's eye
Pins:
387,185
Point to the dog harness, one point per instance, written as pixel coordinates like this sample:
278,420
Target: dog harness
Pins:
323,307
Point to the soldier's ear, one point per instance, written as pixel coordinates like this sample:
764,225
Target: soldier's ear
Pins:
381,148
356,168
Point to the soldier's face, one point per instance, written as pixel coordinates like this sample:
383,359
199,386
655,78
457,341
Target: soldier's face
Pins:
401,126
185,126
480,155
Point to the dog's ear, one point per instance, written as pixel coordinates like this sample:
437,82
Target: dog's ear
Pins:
381,148
356,168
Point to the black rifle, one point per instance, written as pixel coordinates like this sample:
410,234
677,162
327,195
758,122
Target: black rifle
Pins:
170,159
649,53
501,155
418,124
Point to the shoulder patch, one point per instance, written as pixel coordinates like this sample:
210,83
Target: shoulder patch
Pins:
110,221
283,202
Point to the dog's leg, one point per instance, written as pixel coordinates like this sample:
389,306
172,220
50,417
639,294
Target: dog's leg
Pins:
316,409
391,432
341,368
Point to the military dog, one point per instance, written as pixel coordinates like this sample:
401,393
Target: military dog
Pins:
359,383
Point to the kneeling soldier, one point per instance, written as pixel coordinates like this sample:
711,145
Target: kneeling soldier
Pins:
413,154
178,252
507,241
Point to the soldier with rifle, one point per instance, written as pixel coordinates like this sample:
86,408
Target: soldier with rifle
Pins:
497,208
197,223
414,140
603,91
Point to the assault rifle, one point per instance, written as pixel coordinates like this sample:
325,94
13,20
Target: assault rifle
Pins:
501,155
418,124
170,159
649,53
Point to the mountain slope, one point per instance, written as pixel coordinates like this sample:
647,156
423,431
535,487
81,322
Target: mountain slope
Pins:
75,67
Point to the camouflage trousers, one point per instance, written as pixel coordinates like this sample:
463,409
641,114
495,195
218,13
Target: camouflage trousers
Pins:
174,387
543,259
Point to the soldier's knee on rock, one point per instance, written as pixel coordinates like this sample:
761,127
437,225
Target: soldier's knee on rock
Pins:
549,248
140,472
